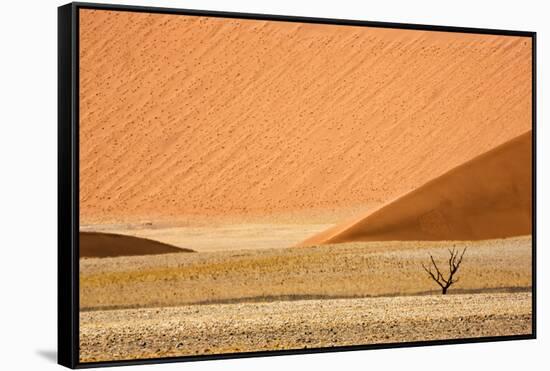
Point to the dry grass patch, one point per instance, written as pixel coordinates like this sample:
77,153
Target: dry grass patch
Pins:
345,270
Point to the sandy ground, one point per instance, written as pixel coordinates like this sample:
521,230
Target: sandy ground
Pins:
220,236
199,116
244,327
343,270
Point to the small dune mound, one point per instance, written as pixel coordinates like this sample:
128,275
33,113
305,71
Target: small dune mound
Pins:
103,245
487,197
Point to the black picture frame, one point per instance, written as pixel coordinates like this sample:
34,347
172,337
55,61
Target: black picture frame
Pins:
68,180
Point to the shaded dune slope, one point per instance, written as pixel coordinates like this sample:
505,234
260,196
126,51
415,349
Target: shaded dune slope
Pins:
183,115
487,197
102,245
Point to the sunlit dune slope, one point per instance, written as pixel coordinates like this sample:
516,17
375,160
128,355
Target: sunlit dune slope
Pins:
101,245
183,115
488,197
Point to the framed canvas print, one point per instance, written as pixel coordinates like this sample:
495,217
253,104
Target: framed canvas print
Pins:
235,185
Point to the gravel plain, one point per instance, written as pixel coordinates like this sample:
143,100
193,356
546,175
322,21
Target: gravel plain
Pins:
245,327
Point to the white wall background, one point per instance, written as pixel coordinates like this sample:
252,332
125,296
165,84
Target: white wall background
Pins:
28,153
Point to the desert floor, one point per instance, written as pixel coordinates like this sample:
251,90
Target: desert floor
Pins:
245,327
284,298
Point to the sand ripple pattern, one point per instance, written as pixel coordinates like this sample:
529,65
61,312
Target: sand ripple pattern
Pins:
184,115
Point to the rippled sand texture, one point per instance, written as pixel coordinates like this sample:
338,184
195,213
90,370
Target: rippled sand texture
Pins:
192,116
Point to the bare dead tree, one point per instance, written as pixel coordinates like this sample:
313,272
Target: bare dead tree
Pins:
454,263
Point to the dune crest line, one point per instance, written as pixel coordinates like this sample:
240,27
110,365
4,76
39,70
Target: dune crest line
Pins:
486,197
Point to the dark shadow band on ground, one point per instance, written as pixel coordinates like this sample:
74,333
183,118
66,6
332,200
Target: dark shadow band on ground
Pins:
104,245
275,298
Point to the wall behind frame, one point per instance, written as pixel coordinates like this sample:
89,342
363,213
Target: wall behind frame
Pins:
29,160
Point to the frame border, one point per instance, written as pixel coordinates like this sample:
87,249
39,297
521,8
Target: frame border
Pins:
67,188
68,180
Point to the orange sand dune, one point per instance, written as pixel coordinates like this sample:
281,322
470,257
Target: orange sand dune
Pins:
194,116
102,245
488,197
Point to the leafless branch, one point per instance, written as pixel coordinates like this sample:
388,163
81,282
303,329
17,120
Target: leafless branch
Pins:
454,263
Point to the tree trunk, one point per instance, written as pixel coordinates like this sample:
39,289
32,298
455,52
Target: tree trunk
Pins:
444,290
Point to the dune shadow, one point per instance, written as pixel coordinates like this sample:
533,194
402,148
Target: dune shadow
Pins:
101,245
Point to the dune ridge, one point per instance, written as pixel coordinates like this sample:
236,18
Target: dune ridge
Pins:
183,115
487,197
103,245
